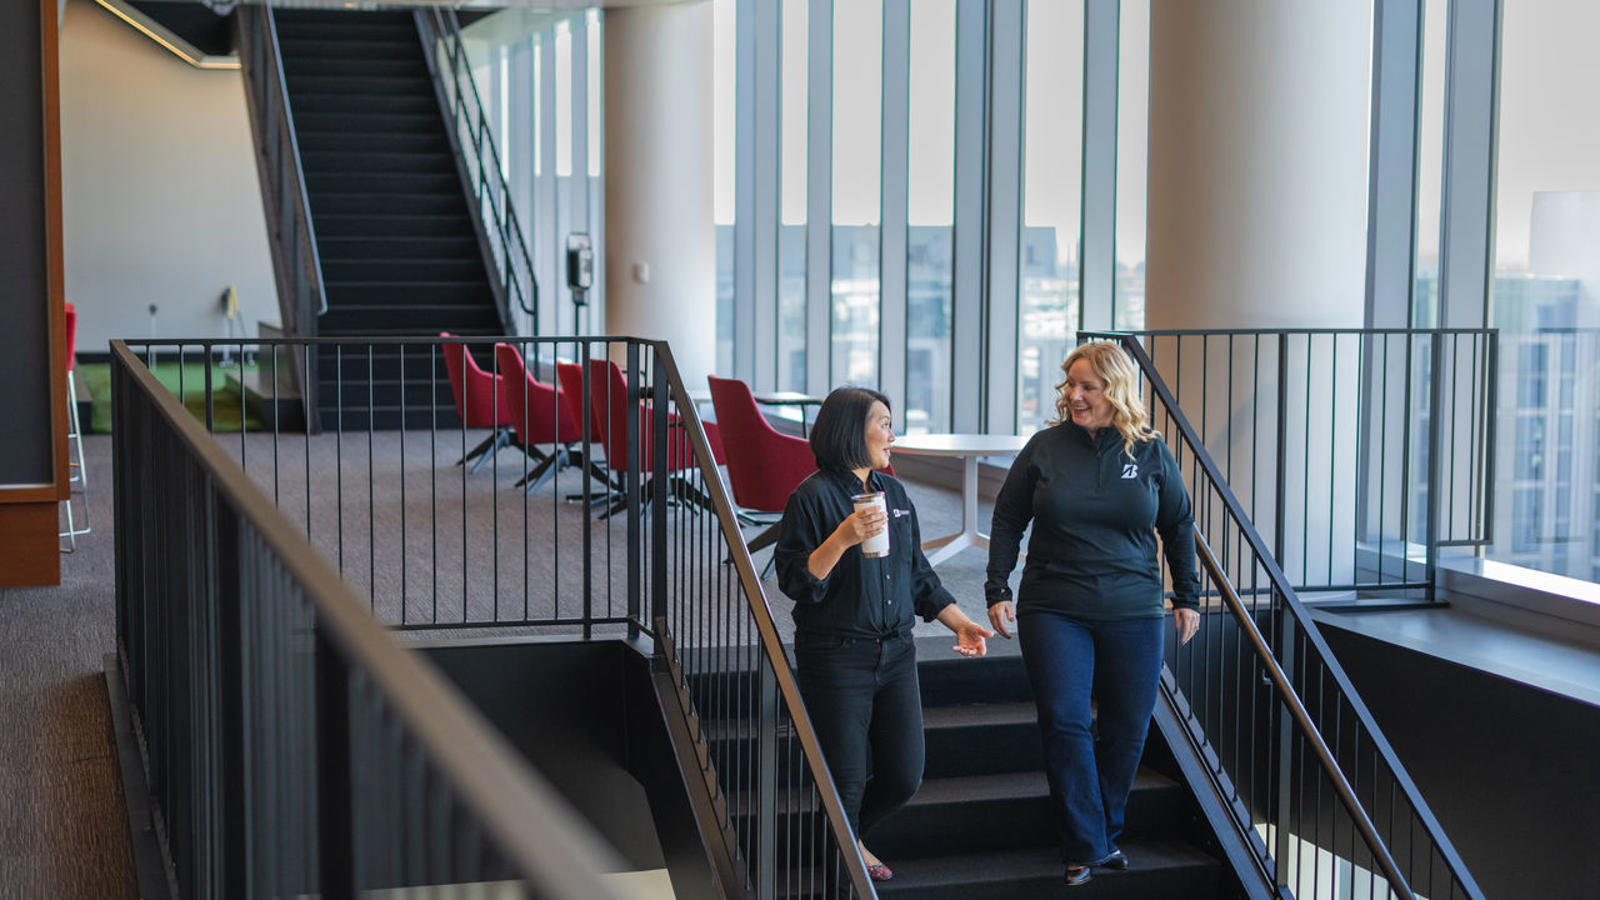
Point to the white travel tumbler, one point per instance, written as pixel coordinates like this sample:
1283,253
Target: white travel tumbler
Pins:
878,544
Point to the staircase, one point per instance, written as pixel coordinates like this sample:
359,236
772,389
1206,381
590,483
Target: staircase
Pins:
399,246
980,827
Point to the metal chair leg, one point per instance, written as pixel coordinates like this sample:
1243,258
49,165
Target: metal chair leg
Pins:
78,473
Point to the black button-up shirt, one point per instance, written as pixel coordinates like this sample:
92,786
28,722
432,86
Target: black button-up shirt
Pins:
863,596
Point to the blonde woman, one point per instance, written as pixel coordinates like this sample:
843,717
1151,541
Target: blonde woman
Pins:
1098,486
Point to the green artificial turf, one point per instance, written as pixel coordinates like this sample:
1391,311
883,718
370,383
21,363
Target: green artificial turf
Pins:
226,401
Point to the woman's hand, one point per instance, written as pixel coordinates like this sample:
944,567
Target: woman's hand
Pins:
971,638
856,527
860,525
999,615
1187,622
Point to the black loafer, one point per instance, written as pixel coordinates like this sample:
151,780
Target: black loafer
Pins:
1076,875
1116,861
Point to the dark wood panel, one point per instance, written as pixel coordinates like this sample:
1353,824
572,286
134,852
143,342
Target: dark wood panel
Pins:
30,553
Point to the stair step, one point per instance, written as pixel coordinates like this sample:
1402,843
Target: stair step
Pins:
324,43
418,183
1161,870
364,66
951,680
339,163
389,332
423,363
462,295
338,248
292,31
357,85
995,812
352,141
390,418
982,739
370,122
349,204
415,318
385,104
353,275
392,225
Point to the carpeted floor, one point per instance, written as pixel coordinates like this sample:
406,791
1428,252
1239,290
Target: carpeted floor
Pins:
63,830
63,827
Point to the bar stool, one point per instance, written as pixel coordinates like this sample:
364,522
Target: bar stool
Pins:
78,481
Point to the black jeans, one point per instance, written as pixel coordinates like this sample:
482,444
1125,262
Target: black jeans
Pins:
866,707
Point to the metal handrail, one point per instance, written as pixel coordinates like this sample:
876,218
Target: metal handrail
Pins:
1414,370
289,206
1302,720
538,833
1292,605
494,197
761,614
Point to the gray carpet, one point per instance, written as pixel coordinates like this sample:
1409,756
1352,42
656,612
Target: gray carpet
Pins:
421,541
63,830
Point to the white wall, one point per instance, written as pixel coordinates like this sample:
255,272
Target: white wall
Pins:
161,199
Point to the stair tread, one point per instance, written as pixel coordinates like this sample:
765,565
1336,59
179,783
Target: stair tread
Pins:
1025,785
1034,864
430,282
979,714
1012,785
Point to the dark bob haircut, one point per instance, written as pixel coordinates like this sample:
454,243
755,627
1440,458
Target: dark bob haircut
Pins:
839,435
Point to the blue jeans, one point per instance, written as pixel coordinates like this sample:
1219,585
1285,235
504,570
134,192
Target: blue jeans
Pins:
1091,770
866,707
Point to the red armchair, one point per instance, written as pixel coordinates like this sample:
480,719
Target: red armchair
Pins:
769,464
539,414
481,401
608,392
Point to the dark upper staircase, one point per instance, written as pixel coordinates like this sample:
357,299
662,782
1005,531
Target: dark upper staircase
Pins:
399,245
980,827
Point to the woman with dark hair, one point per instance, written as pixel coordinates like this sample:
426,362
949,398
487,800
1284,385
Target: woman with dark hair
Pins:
853,612
1098,486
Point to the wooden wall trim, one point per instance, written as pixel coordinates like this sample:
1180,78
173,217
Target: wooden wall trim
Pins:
50,38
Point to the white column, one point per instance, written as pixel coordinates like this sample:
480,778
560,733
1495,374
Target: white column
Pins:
1258,154
659,235
1258,164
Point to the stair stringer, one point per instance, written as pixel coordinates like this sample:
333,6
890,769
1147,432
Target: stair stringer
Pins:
1226,817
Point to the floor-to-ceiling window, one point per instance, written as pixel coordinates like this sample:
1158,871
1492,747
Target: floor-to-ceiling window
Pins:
1546,289
725,20
793,148
857,175
1133,116
538,78
930,208
1052,199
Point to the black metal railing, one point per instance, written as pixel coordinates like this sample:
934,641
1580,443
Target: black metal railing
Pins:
291,746
620,525
1289,749
297,267
473,136
1329,440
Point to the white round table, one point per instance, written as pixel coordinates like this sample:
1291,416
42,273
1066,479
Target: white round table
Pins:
971,448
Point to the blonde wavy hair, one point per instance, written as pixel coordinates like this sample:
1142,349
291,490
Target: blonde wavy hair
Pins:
1112,365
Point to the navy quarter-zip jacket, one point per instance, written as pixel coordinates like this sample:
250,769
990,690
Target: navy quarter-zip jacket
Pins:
1095,513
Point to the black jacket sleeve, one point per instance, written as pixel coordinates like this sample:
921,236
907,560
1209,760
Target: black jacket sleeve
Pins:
1175,524
1013,510
928,594
799,535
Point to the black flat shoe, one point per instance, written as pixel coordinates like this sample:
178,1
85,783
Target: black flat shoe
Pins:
1076,875
1116,861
